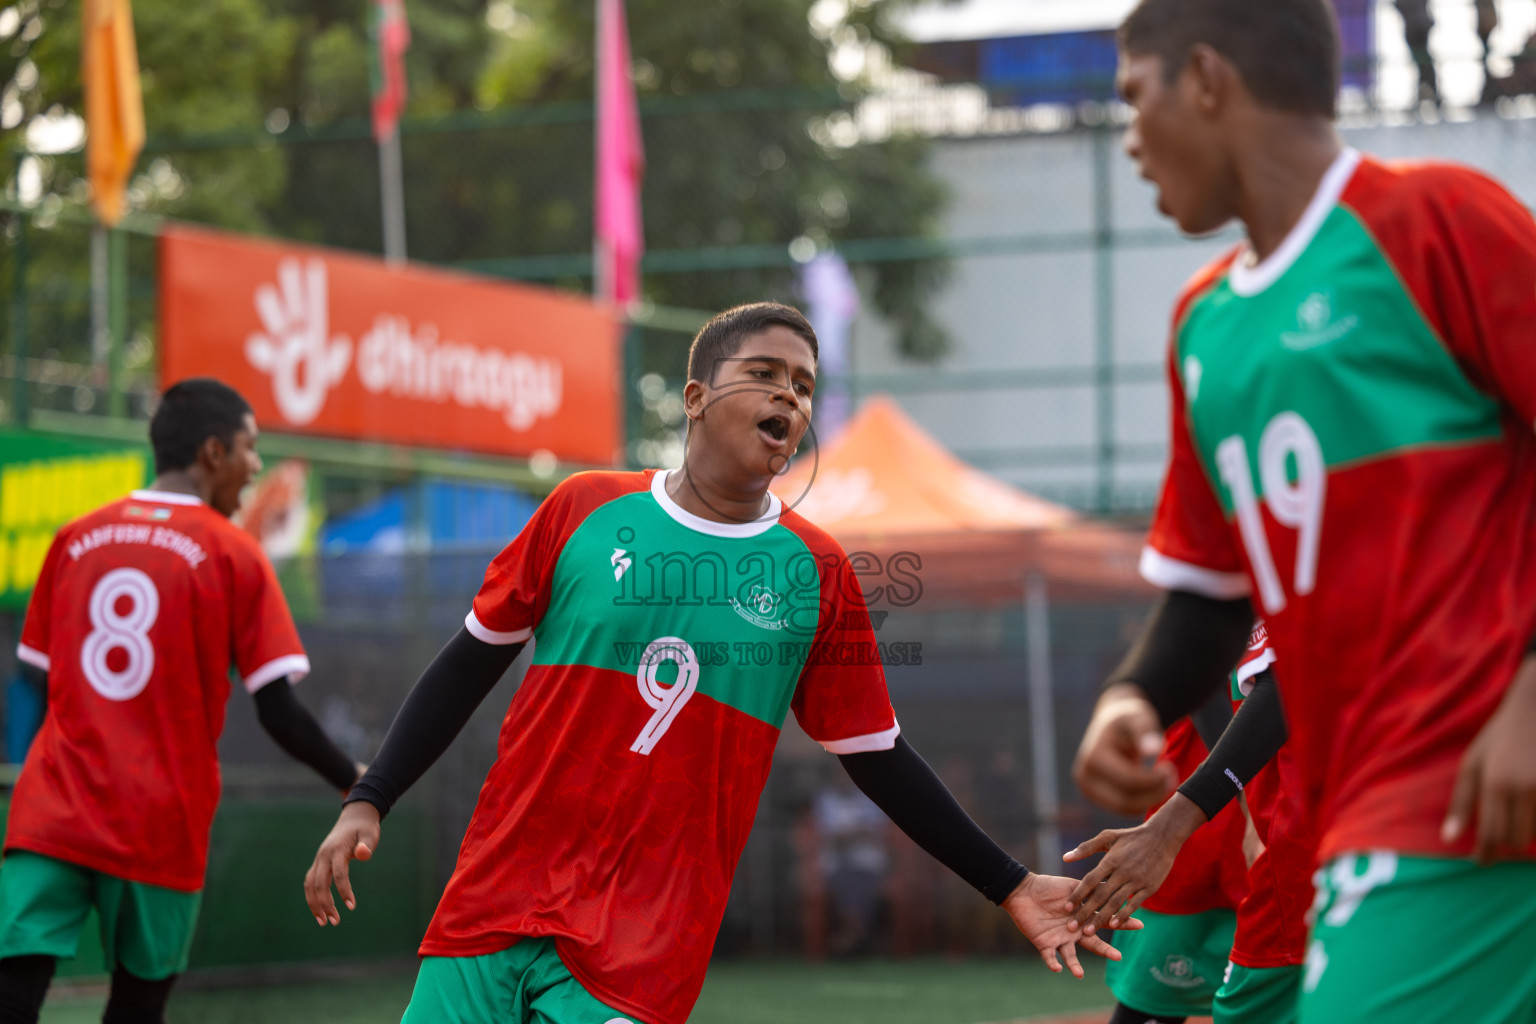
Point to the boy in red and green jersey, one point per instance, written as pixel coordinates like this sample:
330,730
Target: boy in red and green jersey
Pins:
1353,396
1366,455
677,618
627,595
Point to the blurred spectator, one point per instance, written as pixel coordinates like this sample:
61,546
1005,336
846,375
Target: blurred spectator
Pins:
1417,23
25,701
853,860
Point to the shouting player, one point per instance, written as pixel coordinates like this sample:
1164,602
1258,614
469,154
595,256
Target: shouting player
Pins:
138,612
677,617
1353,395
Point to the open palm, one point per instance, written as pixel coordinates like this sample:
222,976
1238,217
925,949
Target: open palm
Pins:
1039,909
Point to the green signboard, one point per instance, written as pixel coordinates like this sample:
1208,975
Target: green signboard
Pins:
47,480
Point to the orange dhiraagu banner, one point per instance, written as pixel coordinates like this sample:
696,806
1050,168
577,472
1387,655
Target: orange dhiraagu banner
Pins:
322,342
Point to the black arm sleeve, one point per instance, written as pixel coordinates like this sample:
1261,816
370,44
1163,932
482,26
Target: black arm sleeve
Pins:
1212,718
902,785
294,729
1254,737
435,711
1185,651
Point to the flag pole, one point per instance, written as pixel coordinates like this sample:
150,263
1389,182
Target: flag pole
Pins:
602,264
392,193
101,330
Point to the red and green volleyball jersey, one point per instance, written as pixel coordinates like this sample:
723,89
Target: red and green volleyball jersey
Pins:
139,611
1353,446
1209,872
668,651
1271,920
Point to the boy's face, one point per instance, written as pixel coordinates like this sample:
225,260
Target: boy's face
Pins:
231,469
756,406
1175,139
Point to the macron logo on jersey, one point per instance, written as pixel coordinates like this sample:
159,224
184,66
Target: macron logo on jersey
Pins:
621,562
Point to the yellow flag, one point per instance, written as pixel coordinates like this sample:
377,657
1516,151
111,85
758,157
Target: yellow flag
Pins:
114,107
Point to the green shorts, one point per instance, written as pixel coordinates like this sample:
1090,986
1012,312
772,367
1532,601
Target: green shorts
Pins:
526,984
44,902
1173,966
1257,995
1400,938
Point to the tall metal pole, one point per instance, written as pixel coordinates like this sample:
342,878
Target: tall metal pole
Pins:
101,302
117,321
1042,721
392,192
20,347
1104,315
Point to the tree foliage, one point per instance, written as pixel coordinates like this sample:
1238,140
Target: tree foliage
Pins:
736,97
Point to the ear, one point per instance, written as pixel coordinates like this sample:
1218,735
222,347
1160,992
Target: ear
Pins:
1209,80
695,398
211,452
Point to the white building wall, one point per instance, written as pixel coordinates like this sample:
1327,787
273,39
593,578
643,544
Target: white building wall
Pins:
1015,311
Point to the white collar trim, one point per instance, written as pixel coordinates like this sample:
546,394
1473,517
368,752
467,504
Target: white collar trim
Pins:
166,497
709,526
1248,281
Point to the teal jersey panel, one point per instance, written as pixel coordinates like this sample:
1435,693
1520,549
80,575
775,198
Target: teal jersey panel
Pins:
746,608
1336,348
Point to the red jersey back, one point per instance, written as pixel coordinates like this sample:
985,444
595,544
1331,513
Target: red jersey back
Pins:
139,611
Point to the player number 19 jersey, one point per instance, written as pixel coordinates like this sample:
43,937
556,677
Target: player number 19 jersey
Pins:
1353,447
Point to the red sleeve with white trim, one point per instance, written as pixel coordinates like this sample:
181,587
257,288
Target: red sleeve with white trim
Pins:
1258,657
1191,546
516,590
266,642
841,700
36,631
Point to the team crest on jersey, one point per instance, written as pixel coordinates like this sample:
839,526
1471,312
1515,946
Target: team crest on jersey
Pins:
1319,326
1178,971
764,607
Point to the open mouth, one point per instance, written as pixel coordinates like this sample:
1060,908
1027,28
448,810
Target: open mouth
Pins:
776,427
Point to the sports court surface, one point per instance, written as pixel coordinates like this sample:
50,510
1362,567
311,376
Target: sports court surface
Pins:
919,991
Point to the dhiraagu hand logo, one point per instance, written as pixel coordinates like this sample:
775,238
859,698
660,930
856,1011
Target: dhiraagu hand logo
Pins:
295,348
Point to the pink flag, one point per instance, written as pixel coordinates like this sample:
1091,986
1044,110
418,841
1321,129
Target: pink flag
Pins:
391,37
620,162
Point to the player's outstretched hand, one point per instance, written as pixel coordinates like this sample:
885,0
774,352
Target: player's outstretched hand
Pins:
1496,783
1112,766
1039,908
1136,862
355,836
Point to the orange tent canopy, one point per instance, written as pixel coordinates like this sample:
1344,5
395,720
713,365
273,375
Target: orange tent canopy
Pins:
886,486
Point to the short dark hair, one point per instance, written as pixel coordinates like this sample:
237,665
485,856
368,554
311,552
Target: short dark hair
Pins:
722,337
190,412
1286,50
